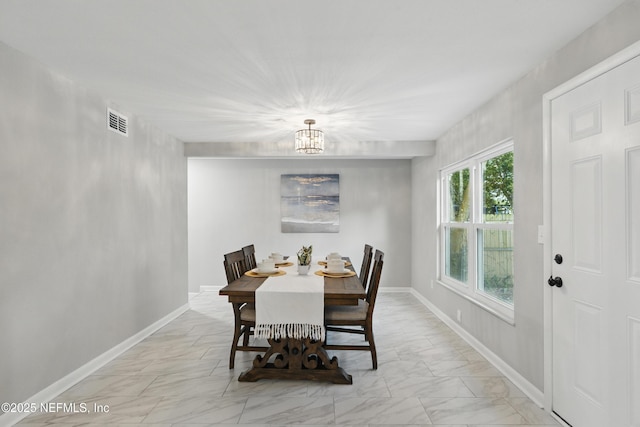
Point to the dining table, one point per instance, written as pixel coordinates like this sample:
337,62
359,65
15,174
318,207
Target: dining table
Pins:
302,358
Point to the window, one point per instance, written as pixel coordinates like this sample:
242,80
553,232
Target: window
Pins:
476,240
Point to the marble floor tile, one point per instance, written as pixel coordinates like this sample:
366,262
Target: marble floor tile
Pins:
217,425
463,368
428,387
273,388
158,339
109,385
149,351
186,367
492,387
122,366
419,425
179,385
289,410
180,377
400,368
530,411
100,410
467,410
361,387
197,410
518,425
215,340
380,411
471,354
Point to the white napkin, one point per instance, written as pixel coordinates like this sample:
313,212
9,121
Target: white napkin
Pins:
291,306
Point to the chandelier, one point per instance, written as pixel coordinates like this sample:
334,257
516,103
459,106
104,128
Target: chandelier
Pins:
309,141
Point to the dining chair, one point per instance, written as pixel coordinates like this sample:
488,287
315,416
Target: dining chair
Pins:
235,266
249,252
343,318
366,265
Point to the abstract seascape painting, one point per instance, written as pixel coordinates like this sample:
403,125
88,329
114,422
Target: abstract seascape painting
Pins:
310,203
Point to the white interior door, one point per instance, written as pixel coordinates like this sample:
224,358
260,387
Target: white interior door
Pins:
595,227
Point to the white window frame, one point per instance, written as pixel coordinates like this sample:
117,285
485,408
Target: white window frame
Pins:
470,289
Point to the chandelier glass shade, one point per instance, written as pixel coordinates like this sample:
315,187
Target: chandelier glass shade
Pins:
309,141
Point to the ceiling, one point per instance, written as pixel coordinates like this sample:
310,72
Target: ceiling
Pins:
378,76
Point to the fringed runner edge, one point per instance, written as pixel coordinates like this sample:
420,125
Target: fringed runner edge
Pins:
290,330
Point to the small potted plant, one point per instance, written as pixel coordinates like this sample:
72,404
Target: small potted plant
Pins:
304,259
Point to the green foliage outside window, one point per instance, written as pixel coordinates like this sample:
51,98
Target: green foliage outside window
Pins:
498,188
459,196
493,239
496,253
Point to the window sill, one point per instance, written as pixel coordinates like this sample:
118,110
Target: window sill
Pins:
505,315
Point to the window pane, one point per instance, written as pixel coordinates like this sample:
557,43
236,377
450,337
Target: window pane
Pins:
495,264
497,190
456,259
459,196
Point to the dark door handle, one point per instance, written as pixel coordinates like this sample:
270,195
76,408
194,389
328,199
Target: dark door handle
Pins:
555,281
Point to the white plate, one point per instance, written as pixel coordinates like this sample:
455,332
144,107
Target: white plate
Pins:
255,270
346,270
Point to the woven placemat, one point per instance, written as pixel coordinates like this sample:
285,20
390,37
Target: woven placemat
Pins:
335,275
252,273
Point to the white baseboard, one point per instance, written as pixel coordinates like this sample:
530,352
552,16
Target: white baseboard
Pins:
210,288
522,383
63,384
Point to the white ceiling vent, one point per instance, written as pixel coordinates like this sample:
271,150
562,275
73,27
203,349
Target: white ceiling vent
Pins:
117,122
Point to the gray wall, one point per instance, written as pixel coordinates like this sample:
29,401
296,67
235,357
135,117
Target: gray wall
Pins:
233,203
517,113
93,227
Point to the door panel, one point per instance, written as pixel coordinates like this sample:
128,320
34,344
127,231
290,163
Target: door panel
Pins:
588,350
586,122
633,197
595,225
586,213
632,105
634,370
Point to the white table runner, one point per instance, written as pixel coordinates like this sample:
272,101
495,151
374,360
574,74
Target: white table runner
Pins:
291,306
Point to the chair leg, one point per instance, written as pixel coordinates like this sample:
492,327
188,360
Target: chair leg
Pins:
237,331
246,332
372,344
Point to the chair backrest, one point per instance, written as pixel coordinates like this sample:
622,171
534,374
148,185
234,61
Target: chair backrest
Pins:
250,257
374,282
234,265
366,265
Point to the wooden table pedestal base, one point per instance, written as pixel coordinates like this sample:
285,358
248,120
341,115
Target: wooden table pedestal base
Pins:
295,359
